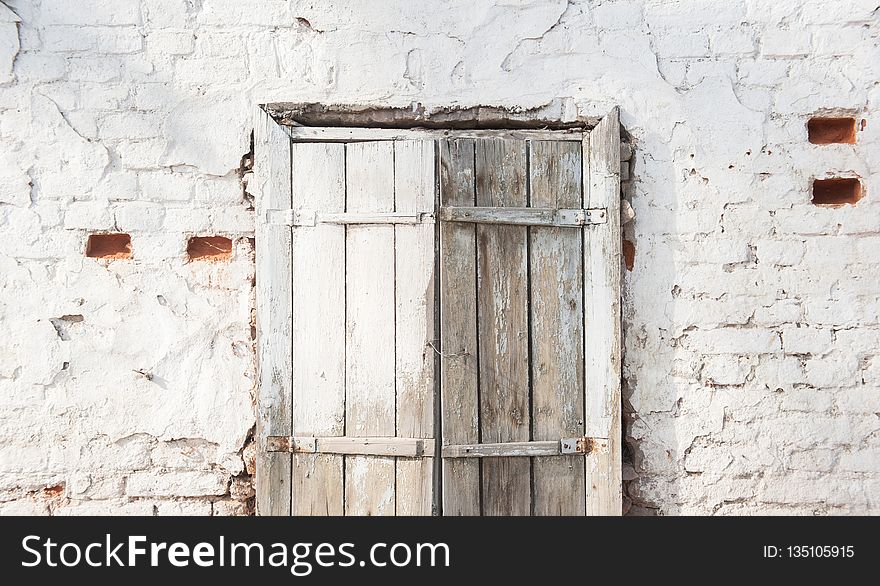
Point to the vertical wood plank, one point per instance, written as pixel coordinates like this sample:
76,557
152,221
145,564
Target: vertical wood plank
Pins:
556,258
458,332
414,297
273,266
370,325
502,299
602,260
318,325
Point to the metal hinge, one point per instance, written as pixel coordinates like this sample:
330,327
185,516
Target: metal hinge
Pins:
308,218
565,446
524,216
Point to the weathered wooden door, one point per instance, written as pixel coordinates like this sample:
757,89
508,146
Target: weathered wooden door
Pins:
439,321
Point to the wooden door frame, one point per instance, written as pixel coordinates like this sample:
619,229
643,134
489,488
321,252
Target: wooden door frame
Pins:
602,256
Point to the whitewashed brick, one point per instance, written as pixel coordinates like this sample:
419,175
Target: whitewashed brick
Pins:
682,15
617,15
139,216
88,215
783,253
210,70
179,508
865,460
40,68
805,340
166,186
721,251
92,39
176,484
780,312
187,220
835,371
23,507
672,70
165,42
228,508
140,155
785,43
106,508
864,400
94,69
844,312
763,71
129,125
812,460
733,341
90,12
102,96
807,401
838,41
692,45
733,42
711,313
779,372
67,39
118,186
725,370
808,220
237,219
246,12
161,14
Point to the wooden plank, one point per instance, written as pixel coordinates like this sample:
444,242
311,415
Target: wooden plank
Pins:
502,300
506,449
370,325
459,352
349,134
560,217
376,446
414,169
602,258
557,330
319,326
272,154
313,218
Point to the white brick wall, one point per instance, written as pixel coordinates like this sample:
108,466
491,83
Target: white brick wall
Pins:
752,318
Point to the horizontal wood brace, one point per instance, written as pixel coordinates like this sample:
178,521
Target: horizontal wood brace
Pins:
352,134
312,218
524,216
567,446
406,447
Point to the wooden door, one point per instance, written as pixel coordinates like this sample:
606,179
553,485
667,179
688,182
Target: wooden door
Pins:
449,294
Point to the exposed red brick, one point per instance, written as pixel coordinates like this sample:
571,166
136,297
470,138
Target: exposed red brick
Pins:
110,246
837,191
832,130
212,248
53,491
629,254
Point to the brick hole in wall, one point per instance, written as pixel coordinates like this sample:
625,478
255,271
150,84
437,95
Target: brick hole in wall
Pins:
109,246
825,130
209,248
629,254
836,191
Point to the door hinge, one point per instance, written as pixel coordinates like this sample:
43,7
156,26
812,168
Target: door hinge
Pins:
565,446
524,216
308,218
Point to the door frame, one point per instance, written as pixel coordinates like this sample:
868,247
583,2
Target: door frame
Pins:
272,172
